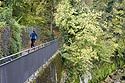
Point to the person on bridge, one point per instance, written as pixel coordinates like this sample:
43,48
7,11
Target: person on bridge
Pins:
33,37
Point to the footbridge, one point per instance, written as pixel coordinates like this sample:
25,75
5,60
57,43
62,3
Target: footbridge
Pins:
18,67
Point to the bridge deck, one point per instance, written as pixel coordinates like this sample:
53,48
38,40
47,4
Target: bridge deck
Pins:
18,70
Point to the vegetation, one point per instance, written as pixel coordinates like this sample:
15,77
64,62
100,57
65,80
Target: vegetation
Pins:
22,13
55,67
93,35
92,30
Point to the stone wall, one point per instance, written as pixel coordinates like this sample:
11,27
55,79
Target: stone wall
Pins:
5,41
26,36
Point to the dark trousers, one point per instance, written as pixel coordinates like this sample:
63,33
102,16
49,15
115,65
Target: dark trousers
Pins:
32,42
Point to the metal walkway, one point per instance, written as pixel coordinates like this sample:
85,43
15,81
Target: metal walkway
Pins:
17,68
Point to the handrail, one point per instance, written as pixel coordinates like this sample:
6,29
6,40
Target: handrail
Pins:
23,52
23,64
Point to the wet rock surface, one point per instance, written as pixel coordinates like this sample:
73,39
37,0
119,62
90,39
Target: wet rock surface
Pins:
116,77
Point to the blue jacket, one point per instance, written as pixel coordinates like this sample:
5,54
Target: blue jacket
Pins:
33,35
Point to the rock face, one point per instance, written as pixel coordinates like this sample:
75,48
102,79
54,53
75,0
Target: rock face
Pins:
5,41
116,77
26,35
25,38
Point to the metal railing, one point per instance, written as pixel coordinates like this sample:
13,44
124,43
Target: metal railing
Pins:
18,67
17,55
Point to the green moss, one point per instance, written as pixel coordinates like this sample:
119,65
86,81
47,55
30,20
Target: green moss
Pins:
34,81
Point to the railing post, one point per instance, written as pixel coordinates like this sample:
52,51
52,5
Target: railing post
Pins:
22,65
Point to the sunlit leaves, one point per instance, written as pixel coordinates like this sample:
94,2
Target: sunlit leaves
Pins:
91,35
5,14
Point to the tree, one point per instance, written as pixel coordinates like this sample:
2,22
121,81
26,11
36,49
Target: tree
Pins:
88,35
